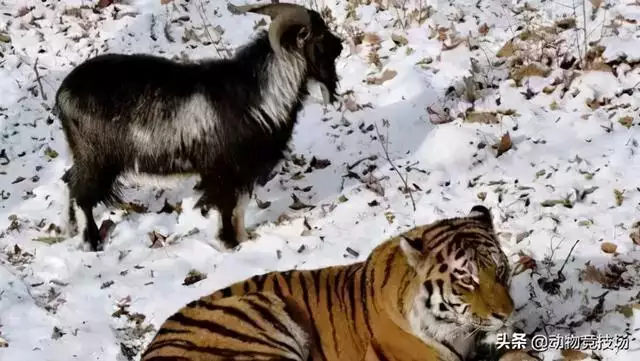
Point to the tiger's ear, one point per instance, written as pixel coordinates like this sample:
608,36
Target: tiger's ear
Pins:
412,249
482,213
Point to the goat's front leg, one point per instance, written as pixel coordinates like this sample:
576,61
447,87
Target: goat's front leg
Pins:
226,205
237,217
232,209
232,206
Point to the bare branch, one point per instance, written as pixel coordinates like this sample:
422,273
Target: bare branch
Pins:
388,158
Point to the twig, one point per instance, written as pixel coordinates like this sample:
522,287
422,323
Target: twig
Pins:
584,30
355,164
206,25
35,69
567,259
386,155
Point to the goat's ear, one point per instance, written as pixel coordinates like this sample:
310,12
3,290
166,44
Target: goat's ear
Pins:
302,36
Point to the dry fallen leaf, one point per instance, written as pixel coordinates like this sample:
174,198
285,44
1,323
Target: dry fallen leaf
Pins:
635,236
600,66
386,75
442,34
504,145
508,49
529,71
626,121
482,117
399,39
165,2
572,355
193,276
157,239
483,29
594,275
105,3
627,310
527,262
608,247
371,38
566,23
389,216
454,44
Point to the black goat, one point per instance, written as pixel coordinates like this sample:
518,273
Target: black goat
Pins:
227,120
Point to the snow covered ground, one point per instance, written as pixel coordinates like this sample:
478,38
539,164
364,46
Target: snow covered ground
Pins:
571,172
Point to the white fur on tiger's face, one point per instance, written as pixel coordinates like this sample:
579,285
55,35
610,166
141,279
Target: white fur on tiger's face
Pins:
464,278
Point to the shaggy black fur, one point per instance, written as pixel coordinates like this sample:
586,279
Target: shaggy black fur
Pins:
125,113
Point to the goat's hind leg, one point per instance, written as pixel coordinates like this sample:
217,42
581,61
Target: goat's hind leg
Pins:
72,221
88,191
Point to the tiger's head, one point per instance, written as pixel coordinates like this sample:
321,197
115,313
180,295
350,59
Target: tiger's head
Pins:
463,276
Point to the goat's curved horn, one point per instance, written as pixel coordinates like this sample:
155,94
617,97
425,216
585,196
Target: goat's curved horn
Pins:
283,16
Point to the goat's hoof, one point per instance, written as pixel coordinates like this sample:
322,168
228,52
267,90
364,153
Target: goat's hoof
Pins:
92,244
229,244
90,247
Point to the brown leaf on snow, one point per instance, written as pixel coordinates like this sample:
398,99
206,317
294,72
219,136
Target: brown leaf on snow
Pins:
483,29
504,145
133,207
566,23
635,233
399,40
165,2
508,49
454,44
608,247
573,355
524,263
527,262
627,310
105,3
157,239
371,38
193,276
600,66
594,275
626,121
482,117
386,75
596,4
442,34
529,71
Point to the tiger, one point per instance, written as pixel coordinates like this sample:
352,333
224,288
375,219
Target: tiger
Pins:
422,295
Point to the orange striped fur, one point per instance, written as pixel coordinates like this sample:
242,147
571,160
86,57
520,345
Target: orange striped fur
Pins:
418,296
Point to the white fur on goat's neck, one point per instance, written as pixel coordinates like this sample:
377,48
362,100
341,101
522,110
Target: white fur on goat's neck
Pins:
285,73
